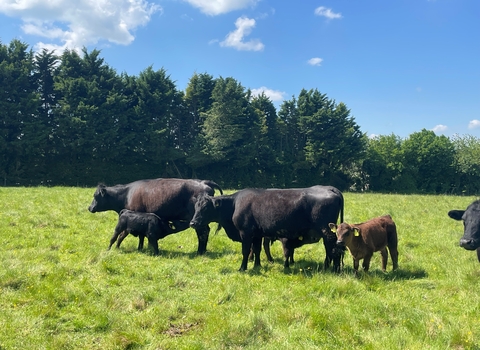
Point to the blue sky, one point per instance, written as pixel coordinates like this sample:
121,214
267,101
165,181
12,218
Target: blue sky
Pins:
399,65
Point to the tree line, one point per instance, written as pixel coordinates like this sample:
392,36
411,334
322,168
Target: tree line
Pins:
73,120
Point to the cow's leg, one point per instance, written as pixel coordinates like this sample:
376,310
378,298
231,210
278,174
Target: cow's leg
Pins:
202,235
337,258
118,230
121,238
329,242
141,239
257,247
366,261
393,249
356,263
154,243
478,254
384,259
292,251
266,247
250,257
394,255
246,247
287,252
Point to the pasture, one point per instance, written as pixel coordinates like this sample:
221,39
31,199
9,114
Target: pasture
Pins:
61,289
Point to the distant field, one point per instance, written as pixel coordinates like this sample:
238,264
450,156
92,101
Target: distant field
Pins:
61,289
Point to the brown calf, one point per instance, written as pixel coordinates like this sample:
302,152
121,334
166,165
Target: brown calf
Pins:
362,240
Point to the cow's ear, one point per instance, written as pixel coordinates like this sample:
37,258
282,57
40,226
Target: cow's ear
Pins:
356,231
333,227
103,191
456,214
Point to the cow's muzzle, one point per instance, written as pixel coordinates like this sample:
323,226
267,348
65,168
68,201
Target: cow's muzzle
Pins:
469,244
193,224
340,244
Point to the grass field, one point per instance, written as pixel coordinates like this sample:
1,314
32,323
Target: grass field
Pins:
61,289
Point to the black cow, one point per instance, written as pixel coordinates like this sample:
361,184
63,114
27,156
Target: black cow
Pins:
171,199
145,224
471,226
298,215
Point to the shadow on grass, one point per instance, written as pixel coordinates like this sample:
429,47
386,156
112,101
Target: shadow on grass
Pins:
399,274
310,268
172,254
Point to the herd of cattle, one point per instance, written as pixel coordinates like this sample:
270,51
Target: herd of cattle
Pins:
159,207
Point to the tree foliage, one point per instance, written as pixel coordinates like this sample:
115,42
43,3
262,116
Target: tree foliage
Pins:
73,120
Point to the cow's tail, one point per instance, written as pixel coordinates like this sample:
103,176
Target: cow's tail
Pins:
213,185
342,206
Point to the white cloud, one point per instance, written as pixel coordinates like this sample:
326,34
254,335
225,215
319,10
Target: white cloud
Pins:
316,61
440,128
326,12
218,7
274,95
474,124
76,23
235,39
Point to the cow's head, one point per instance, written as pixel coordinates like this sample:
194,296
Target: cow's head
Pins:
99,199
205,210
345,233
471,225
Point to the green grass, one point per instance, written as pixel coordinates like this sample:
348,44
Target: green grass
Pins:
61,289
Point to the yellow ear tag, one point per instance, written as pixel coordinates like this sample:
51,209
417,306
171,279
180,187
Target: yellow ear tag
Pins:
334,230
217,204
300,238
356,233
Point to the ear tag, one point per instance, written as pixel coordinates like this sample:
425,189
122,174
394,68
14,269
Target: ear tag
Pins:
300,238
217,204
356,232
334,230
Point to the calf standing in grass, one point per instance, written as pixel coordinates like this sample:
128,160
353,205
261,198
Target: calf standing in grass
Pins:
144,224
362,240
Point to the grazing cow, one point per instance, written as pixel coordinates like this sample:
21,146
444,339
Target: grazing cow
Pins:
471,226
170,199
144,224
362,240
298,215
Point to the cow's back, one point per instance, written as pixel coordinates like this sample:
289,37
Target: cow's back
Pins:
171,199
286,210
378,231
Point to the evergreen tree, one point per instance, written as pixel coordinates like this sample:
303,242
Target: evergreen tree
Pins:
230,131
157,110
45,66
198,100
91,112
268,155
292,141
19,123
327,143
